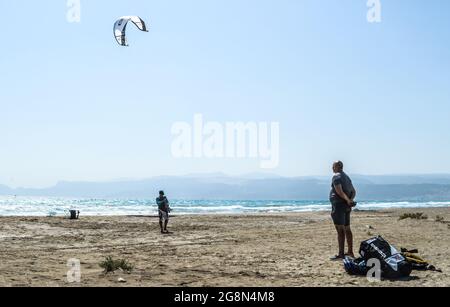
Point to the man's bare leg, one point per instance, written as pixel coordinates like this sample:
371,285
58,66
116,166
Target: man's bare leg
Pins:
341,239
349,237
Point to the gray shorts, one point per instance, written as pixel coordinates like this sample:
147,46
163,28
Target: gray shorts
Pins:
340,213
163,215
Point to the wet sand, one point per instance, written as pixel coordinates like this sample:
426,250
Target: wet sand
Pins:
240,250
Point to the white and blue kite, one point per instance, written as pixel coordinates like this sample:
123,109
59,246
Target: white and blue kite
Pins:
120,28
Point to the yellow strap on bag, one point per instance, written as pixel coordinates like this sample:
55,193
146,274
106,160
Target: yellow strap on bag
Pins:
415,259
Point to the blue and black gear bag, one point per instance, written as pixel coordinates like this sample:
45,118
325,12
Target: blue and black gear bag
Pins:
355,266
393,263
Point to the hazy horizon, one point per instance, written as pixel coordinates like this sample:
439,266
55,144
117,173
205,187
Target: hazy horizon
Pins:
252,175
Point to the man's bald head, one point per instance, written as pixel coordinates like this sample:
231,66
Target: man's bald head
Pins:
338,166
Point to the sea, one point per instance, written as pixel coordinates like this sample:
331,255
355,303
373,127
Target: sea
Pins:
53,206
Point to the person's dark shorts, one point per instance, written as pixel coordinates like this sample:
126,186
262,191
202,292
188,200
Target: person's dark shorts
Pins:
163,215
340,213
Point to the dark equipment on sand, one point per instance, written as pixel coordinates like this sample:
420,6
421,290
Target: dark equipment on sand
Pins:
393,264
74,214
417,262
355,266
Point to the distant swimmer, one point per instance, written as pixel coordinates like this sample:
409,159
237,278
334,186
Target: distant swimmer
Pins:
163,210
342,197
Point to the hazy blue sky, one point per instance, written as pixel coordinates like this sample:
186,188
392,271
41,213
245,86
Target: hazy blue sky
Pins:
76,106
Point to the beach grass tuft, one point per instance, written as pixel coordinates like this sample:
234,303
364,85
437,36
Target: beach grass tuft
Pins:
111,265
414,216
439,219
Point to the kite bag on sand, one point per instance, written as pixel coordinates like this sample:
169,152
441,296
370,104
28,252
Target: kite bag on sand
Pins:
393,263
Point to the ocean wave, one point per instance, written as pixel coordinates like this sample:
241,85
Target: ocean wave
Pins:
41,206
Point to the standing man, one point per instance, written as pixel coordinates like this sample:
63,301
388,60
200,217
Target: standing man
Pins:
342,197
163,209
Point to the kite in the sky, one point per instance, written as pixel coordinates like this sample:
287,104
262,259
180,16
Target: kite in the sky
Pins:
120,28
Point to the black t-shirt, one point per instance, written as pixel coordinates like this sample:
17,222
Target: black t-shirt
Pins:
347,186
162,203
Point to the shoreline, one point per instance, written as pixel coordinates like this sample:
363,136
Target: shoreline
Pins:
262,250
228,214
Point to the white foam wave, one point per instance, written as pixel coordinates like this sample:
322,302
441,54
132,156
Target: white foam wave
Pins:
41,206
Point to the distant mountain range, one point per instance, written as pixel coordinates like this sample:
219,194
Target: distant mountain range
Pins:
257,186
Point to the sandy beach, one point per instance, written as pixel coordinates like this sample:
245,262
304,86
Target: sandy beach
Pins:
250,250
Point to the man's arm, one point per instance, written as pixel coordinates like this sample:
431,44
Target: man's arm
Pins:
353,194
342,195
167,204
